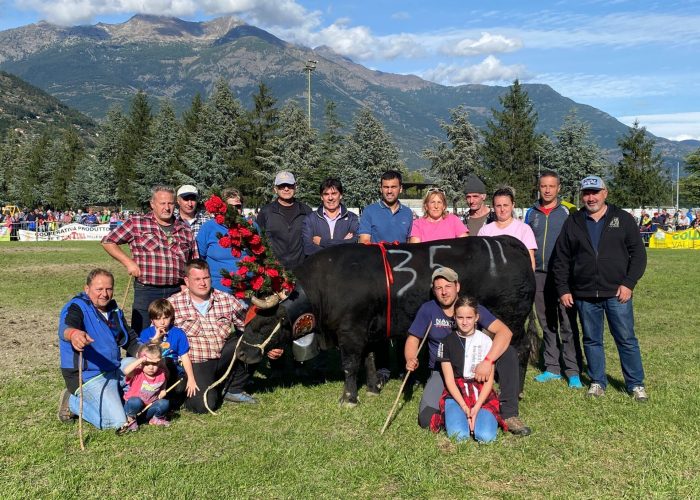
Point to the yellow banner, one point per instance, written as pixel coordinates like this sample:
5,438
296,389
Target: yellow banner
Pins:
690,238
4,233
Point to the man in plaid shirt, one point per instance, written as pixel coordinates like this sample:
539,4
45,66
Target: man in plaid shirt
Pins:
187,201
160,246
213,322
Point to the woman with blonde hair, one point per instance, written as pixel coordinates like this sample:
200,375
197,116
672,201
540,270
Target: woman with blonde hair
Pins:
437,223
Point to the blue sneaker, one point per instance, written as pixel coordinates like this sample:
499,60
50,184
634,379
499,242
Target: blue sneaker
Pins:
547,376
240,397
575,382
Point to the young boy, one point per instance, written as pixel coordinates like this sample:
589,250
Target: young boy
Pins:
173,342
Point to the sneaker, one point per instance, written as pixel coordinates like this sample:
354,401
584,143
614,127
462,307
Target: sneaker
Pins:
595,391
132,426
547,376
639,394
517,427
64,414
575,382
160,421
240,397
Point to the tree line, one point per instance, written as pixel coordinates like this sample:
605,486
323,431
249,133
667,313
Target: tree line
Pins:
218,143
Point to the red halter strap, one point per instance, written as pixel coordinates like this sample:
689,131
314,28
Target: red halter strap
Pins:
389,280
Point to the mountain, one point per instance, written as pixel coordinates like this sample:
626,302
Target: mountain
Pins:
92,68
32,111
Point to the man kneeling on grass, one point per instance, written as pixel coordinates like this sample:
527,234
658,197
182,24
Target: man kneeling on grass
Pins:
93,324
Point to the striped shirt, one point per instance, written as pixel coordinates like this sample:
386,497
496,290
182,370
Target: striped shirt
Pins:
208,333
160,256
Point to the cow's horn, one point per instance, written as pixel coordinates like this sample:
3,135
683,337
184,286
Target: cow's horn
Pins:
267,302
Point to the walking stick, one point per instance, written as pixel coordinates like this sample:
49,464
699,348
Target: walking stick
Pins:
80,406
126,293
403,384
124,427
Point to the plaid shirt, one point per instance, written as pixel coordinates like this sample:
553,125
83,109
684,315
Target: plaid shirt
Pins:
207,334
199,219
161,258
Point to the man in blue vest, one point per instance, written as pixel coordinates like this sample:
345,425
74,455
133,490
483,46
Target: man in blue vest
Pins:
93,324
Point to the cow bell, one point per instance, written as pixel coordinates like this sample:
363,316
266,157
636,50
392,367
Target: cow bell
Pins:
305,348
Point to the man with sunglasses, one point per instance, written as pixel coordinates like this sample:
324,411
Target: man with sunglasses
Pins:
187,201
283,221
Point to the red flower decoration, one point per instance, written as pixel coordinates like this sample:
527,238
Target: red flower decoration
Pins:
219,219
246,233
257,250
225,242
242,271
215,205
226,282
256,283
255,240
235,252
239,295
272,272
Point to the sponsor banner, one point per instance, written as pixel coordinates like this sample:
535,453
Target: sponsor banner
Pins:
73,231
690,238
4,233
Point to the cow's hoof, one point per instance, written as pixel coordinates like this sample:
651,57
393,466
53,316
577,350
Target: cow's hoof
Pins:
346,402
371,392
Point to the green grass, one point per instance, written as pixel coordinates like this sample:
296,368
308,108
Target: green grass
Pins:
299,443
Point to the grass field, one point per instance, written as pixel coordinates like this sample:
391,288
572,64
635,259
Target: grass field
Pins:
298,443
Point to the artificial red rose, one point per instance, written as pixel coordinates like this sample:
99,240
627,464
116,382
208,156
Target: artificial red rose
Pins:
235,252
239,295
257,249
255,240
215,205
225,242
248,259
219,219
256,283
272,273
242,271
226,282
277,283
287,286
234,233
245,232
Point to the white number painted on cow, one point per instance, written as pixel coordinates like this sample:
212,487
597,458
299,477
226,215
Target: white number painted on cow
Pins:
401,269
492,261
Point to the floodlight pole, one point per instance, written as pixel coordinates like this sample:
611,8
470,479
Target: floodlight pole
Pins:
678,182
309,67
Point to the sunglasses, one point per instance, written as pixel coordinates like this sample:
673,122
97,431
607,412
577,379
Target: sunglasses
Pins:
189,197
286,186
436,190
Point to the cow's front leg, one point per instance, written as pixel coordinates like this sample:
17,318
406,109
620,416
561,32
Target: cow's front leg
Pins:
373,386
350,361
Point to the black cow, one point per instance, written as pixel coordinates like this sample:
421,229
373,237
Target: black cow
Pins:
345,287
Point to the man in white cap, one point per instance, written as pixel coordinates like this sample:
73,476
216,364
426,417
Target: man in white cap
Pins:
283,220
187,201
598,259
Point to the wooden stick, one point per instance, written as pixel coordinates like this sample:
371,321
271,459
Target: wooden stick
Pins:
403,384
80,406
126,293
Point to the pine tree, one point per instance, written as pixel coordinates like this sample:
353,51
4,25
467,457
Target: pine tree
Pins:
639,179
190,117
690,186
511,144
573,155
10,187
370,152
298,151
132,141
453,160
159,163
331,145
31,183
70,151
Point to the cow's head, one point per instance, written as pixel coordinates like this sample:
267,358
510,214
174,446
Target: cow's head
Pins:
275,323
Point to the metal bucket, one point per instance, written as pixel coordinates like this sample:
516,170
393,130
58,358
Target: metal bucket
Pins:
305,348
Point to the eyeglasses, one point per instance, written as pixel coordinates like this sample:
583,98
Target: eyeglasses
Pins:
286,186
436,190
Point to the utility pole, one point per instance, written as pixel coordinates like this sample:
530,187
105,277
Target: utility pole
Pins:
678,182
309,67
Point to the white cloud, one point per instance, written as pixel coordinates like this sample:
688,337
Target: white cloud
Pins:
674,126
487,44
282,13
490,70
401,16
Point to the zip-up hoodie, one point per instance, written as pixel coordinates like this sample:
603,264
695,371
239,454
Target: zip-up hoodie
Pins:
619,260
546,229
315,224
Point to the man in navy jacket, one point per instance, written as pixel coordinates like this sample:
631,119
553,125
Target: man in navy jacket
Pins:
332,223
599,258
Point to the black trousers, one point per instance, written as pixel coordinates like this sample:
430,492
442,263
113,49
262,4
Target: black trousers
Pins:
208,372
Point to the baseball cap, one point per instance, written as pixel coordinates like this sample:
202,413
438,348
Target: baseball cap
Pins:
445,272
592,183
284,178
187,189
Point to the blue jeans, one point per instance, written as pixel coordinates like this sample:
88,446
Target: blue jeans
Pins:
102,399
135,405
457,425
621,323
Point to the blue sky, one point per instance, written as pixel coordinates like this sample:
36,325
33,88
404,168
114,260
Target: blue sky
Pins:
632,59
